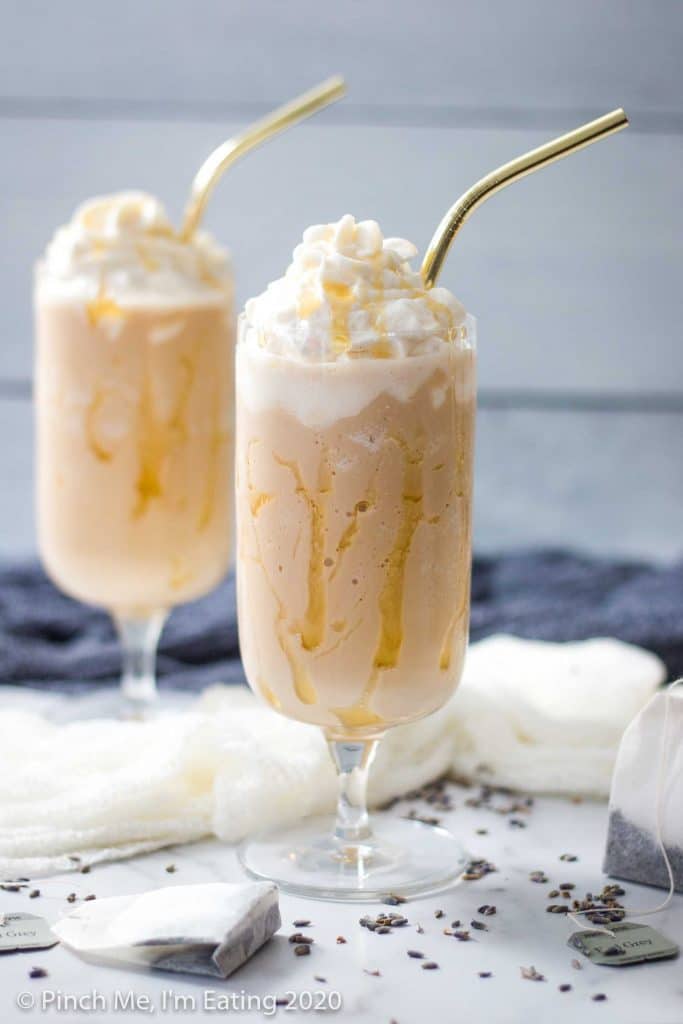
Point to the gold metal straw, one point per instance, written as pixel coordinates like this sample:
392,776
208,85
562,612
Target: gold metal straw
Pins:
505,175
229,152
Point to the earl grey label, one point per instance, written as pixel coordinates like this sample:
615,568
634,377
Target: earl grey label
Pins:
631,944
25,931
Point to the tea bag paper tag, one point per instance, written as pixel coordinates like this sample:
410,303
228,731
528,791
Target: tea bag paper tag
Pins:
631,944
25,931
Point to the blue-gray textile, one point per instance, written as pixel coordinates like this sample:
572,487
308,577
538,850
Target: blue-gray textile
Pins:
49,640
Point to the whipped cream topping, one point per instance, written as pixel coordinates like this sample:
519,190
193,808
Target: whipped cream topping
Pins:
124,246
351,292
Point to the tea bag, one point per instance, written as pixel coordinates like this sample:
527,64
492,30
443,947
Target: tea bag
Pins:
200,929
646,802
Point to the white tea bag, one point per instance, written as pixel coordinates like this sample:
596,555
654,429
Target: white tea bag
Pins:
200,929
646,801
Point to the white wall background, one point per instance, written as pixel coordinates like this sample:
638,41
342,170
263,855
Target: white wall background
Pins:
575,274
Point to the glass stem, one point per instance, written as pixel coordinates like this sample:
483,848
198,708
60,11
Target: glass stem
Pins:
352,760
139,636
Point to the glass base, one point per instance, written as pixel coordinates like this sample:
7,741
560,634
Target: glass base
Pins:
401,858
111,703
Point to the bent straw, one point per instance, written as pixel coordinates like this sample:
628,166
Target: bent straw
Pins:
528,163
229,152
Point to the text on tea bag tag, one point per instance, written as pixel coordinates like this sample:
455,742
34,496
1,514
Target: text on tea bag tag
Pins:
25,931
629,943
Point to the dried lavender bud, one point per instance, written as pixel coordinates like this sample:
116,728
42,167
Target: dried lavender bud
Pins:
486,910
439,914
302,950
571,857
415,954
599,997
564,988
479,926
297,937
341,941
462,936
85,870
37,972
171,869
429,966
476,869
485,974
539,877
531,974
34,894
393,900
301,924
577,965
72,897
92,896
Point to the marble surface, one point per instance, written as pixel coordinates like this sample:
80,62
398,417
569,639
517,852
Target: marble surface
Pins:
521,934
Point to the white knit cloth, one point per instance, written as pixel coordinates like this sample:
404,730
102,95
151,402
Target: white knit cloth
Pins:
536,716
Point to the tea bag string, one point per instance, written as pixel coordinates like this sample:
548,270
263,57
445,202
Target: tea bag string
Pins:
574,915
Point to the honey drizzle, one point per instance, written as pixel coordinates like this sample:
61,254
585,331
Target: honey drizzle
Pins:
350,532
312,626
102,306
392,593
390,601
152,446
340,298
446,651
303,687
218,439
269,696
156,438
101,453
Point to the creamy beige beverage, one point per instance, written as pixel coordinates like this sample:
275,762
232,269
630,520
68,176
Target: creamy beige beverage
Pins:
134,402
355,414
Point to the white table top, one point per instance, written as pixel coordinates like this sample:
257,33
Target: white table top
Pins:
521,934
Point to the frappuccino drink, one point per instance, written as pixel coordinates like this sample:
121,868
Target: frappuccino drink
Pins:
134,406
355,416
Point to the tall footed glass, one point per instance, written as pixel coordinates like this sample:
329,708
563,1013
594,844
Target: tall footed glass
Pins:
134,423
354,487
